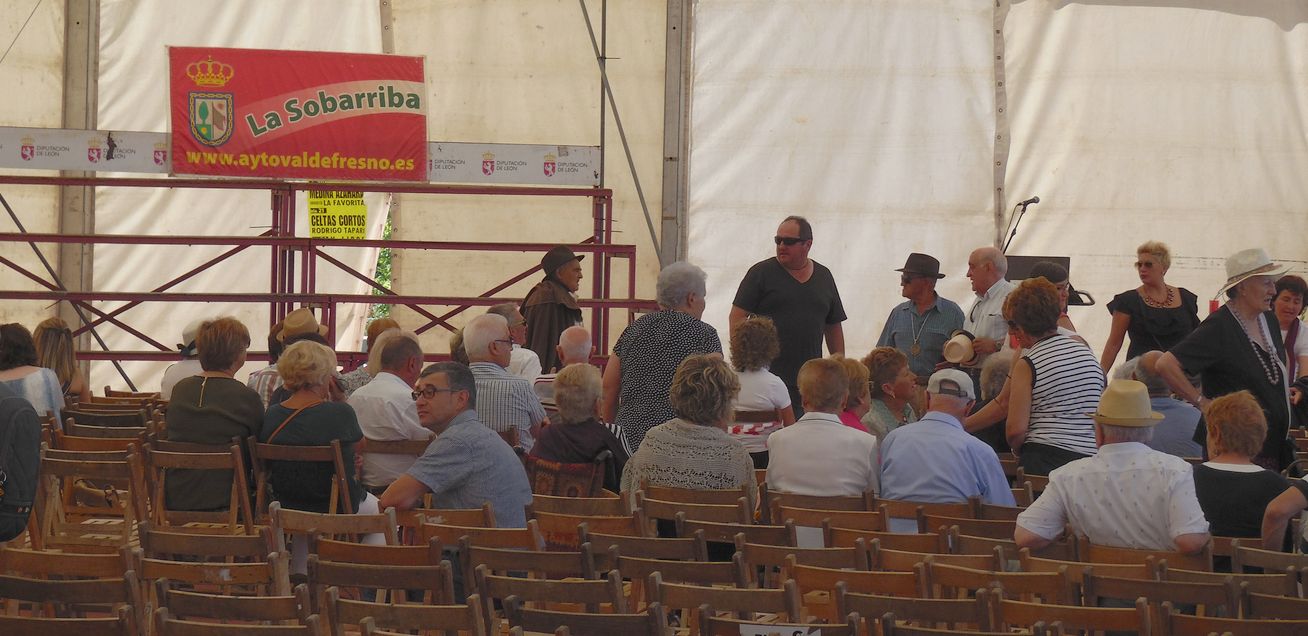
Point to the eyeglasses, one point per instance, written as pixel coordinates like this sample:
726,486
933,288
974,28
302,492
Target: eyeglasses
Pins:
430,392
505,341
788,240
1144,264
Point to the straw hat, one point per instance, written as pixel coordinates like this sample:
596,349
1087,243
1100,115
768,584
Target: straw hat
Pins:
300,321
1126,403
958,349
1247,263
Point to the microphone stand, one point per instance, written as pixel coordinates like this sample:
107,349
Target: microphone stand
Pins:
1017,219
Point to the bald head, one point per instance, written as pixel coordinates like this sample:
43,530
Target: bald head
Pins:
985,267
574,346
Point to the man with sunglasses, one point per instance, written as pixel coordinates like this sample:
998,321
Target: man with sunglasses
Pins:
467,464
921,325
800,297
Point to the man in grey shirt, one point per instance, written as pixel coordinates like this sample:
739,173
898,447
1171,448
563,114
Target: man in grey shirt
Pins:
1174,434
467,464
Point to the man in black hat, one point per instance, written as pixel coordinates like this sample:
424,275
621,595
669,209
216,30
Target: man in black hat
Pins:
550,306
921,325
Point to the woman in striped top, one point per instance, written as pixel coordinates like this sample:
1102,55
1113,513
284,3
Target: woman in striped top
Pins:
1055,386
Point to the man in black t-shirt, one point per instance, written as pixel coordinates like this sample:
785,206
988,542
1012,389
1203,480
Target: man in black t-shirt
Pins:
800,297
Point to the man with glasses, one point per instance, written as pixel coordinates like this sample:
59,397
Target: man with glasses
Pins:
920,326
468,464
523,362
800,297
507,405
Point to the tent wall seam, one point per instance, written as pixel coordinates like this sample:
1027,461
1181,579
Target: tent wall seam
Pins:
1001,140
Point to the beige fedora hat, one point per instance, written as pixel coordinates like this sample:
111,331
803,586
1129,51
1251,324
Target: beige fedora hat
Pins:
958,349
1247,263
1126,403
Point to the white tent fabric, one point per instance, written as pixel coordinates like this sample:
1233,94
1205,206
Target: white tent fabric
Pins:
133,96
1174,121
873,120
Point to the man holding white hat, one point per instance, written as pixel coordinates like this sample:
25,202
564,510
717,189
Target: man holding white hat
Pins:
1238,347
934,459
188,366
1127,495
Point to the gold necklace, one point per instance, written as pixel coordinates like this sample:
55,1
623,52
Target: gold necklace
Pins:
1166,302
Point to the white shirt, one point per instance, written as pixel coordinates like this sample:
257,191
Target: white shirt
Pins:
386,412
817,455
985,319
524,363
760,390
1126,496
177,372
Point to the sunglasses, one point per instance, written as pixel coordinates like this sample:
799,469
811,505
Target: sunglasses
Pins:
905,279
788,240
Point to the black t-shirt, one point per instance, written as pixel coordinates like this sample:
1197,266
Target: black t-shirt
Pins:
1155,328
1233,502
801,312
1220,352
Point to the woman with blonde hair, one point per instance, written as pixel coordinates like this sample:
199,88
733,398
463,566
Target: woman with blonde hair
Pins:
54,351
858,401
1155,315
693,449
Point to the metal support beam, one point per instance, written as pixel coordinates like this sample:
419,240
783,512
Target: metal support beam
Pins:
676,131
77,203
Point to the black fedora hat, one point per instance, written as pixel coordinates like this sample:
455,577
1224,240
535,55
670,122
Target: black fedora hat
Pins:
922,265
557,257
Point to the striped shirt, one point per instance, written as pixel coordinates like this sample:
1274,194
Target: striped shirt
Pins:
1066,384
505,401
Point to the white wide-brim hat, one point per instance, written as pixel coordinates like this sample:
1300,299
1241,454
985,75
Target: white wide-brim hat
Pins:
1245,264
958,349
1126,403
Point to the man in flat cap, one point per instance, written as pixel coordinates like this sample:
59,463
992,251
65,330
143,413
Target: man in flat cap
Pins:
921,325
551,306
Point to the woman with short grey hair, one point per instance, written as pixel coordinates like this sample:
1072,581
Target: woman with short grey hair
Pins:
646,356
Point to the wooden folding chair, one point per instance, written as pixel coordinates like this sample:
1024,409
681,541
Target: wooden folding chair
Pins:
902,515
1038,482
166,625
951,581
132,417
183,544
221,608
722,497
121,624
657,509
1176,623
568,480
814,518
995,529
817,585
593,594
411,520
1244,557
528,538
287,521
881,559
1010,614
61,524
104,432
652,622
1283,583
604,506
561,531
537,564
731,573
262,454
746,604
110,392
726,532
930,542
1023,494
1207,598
995,512
711,625
925,611
60,440
692,548
1076,569
55,598
227,465
266,578
436,582
452,618
888,625
40,564
1093,553
864,502
1271,606
771,558
967,544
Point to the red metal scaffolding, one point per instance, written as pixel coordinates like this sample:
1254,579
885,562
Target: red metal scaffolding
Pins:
295,261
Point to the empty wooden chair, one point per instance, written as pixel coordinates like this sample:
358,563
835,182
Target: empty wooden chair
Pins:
436,582
1010,614
813,518
1271,606
739,511
997,512
726,532
951,581
930,542
62,440
34,596
40,564
724,497
255,578
774,500
59,524
175,544
222,608
138,395
993,528
692,548
771,558
888,625
561,531
287,521
1076,569
1283,583
651,622
528,538
121,624
593,594
818,585
904,516
341,613
1244,556
953,613
960,543
712,625
105,432
166,625
227,465
783,603
1093,553
133,417
1178,624
537,564
1038,482
880,559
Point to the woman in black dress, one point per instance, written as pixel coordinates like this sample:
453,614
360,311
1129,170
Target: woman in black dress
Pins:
1155,315
1238,347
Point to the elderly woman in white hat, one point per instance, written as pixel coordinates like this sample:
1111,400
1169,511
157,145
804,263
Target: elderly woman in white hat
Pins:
1237,348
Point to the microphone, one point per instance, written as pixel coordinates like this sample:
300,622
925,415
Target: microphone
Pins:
1030,201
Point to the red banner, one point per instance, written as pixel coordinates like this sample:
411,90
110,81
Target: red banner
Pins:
297,114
